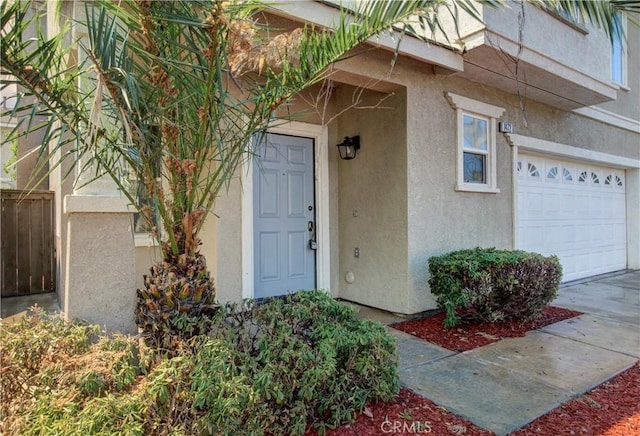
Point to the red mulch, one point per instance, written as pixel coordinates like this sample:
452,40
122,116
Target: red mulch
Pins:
611,409
467,336
408,414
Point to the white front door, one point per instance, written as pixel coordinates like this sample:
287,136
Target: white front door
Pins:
284,216
574,210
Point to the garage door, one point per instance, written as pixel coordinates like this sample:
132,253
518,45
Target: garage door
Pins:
573,210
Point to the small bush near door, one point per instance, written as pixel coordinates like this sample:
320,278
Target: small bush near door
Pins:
490,285
276,368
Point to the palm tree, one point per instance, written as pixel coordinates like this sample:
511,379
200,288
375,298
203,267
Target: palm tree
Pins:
170,94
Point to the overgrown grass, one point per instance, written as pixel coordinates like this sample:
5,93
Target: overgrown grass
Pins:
279,367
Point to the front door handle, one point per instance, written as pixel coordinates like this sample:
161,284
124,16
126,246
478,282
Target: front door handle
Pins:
313,245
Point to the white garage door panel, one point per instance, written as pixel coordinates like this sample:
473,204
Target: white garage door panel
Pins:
575,211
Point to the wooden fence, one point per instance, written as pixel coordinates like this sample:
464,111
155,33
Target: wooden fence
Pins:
27,238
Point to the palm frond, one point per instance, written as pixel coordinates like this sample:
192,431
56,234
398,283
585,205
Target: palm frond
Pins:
606,14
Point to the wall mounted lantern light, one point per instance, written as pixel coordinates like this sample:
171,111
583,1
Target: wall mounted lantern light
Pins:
349,147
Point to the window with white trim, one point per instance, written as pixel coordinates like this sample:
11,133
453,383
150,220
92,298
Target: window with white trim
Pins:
619,58
476,166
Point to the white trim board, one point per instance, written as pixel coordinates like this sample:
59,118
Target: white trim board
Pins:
326,15
549,64
611,118
82,203
528,143
321,173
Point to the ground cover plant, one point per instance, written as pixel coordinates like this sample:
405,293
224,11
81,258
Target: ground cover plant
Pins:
490,285
281,367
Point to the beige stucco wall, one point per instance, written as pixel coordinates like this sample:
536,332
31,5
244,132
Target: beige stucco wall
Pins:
569,128
28,149
503,29
396,201
429,217
401,185
146,254
27,146
537,27
372,202
441,219
98,287
27,156
225,237
628,102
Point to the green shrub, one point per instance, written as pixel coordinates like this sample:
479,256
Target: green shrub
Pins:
493,285
279,367
52,369
312,361
31,350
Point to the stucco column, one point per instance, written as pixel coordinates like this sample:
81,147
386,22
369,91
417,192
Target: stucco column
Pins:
100,258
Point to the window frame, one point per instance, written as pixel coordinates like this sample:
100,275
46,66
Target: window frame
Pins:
479,110
476,151
619,47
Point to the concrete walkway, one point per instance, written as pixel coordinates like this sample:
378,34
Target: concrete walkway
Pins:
503,386
14,308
